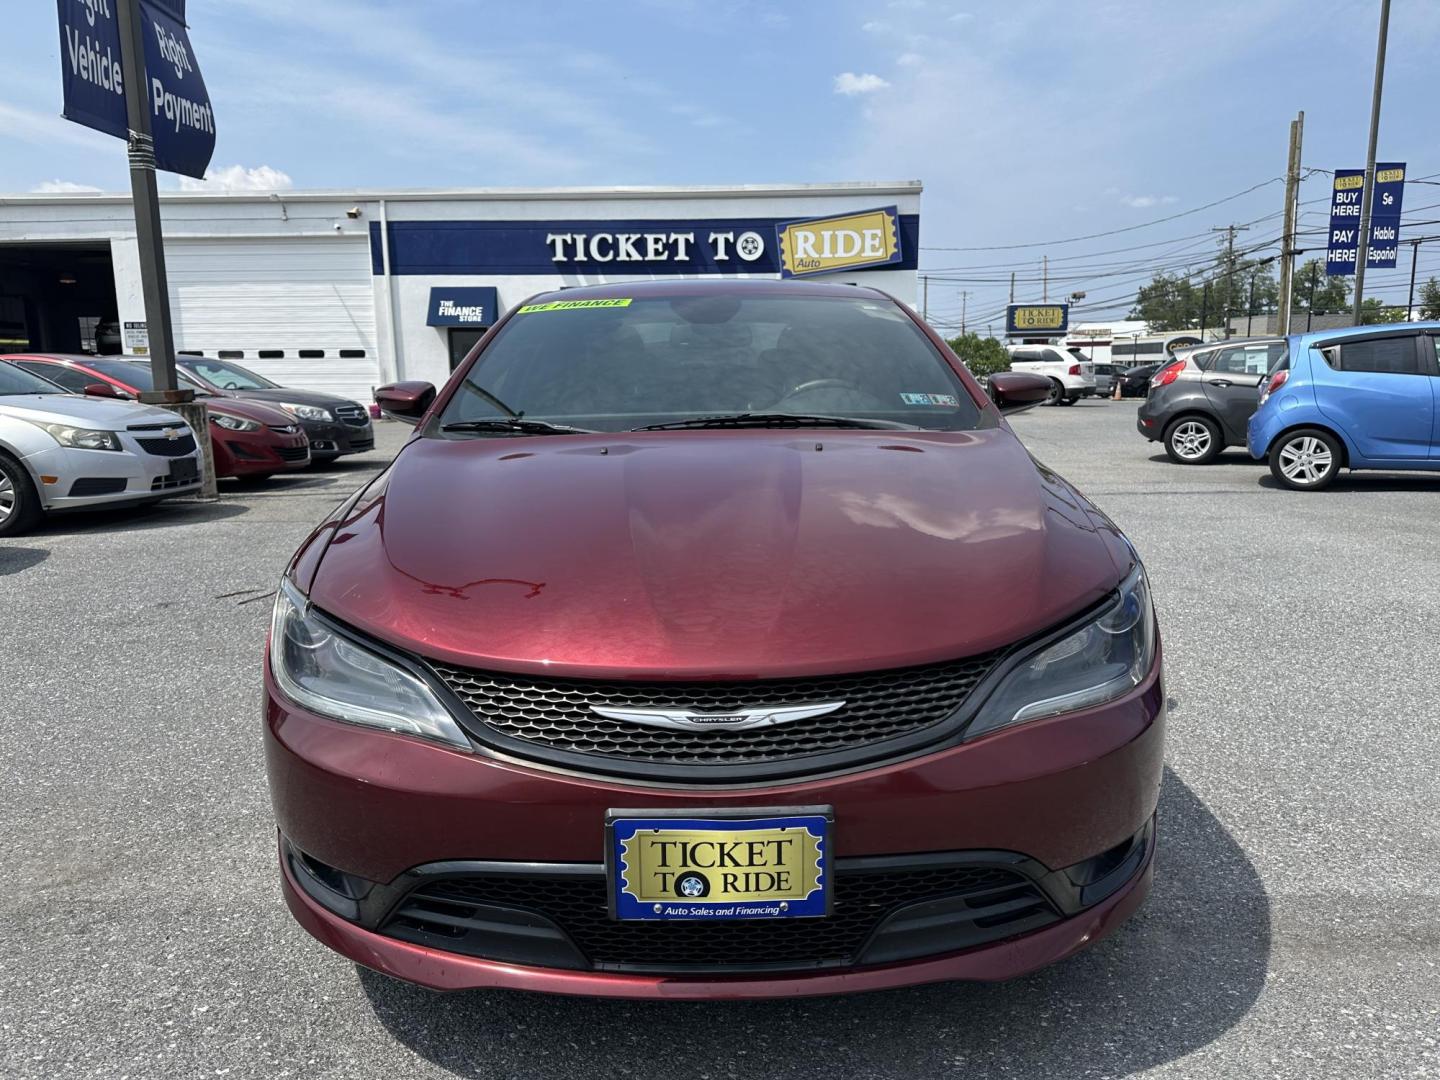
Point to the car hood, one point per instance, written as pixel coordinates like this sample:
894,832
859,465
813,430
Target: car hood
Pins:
721,554
261,413
107,414
292,397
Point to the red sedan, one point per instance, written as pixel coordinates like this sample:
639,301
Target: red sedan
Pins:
713,640
249,440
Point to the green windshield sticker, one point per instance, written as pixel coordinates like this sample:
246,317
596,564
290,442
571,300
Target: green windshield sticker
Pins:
572,305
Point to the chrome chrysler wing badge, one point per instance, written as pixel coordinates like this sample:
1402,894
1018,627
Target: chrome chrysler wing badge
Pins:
739,720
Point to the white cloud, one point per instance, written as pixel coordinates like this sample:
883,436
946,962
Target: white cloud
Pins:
239,178
1144,202
63,187
848,83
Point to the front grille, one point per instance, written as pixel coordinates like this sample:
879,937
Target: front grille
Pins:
354,415
1000,903
97,485
293,453
177,447
555,714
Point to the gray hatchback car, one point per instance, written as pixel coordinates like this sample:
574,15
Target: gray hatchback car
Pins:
1201,402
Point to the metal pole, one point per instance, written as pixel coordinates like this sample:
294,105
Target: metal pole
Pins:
1310,311
1045,278
964,296
1414,257
145,196
925,298
1204,304
1287,243
1250,307
1012,286
1362,252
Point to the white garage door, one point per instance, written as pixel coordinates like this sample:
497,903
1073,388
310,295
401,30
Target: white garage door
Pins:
298,311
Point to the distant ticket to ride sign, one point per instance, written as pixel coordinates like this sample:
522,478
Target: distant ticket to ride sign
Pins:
1037,319
719,868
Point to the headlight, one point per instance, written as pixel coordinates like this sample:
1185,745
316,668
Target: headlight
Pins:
308,412
1103,660
81,438
234,423
331,675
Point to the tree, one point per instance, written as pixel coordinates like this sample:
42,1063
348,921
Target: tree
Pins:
1226,289
1374,310
982,355
1331,294
1430,299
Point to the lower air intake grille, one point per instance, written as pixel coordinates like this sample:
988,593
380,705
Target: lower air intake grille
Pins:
293,453
995,903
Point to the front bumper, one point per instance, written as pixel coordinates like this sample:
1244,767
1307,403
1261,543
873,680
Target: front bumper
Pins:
1048,795
248,453
87,479
334,438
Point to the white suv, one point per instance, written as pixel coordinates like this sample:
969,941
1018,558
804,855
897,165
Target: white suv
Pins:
1071,375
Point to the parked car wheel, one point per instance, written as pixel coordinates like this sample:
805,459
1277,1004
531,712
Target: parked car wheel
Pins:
1057,393
1193,440
19,502
1306,460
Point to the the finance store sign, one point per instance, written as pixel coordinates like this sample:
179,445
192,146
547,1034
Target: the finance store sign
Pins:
880,238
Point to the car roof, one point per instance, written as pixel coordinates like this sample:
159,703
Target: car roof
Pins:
710,287
1340,333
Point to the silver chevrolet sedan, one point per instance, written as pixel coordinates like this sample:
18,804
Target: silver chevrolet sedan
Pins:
62,451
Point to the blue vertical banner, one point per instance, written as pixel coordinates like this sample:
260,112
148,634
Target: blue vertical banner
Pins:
181,119
1345,203
1385,216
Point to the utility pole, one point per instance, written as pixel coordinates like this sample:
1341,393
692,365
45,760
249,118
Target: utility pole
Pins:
1367,200
925,297
1204,305
964,297
146,199
1250,307
1012,286
1045,278
1414,258
1230,231
1287,242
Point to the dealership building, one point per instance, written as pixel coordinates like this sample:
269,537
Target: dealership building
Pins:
346,290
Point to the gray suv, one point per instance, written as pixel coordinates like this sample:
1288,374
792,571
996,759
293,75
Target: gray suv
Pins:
1201,402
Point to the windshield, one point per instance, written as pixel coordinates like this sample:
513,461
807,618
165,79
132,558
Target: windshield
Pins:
138,375
227,376
614,365
14,381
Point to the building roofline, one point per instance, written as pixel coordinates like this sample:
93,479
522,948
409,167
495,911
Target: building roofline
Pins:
876,188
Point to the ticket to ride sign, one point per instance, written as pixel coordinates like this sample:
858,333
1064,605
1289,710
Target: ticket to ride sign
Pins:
717,865
1037,319
847,242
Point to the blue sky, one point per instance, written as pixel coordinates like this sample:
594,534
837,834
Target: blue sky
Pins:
1030,121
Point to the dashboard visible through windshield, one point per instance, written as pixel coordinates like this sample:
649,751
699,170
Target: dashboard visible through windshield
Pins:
622,364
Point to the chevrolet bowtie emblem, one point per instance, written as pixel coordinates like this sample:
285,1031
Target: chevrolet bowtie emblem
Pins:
172,433
738,720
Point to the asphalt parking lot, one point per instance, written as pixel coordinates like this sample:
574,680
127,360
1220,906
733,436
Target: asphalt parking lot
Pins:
1294,929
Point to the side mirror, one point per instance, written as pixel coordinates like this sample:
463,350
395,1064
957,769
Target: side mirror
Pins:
100,389
1014,391
405,401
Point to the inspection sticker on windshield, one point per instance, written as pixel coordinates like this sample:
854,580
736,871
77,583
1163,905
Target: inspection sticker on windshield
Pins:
573,305
930,399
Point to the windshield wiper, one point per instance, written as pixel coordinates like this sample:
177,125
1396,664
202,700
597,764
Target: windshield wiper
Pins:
749,419
518,425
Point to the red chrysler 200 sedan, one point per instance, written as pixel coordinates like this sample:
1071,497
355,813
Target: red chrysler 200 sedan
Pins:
713,640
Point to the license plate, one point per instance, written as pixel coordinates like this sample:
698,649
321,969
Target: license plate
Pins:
719,865
184,469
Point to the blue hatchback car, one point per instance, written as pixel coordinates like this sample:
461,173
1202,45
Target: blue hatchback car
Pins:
1366,397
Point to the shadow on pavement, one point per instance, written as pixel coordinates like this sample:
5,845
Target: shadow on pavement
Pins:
15,559
1183,971
1366,481
135,519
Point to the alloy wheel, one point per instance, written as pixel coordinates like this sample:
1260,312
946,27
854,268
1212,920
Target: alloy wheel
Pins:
1306,460
7,498
1192,440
